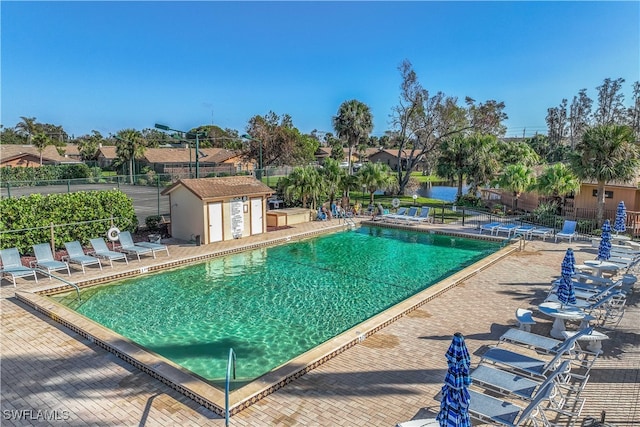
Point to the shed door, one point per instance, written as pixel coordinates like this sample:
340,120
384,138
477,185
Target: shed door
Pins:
215,222
256,216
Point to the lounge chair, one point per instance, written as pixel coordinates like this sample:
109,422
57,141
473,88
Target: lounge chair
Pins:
528,339
396,216
45,260
568,231
101,250
490,227
76,255
12,265
508,383
543,233
524,230
125,237
424,216
496,411
408,218
506,228
529,366
128,247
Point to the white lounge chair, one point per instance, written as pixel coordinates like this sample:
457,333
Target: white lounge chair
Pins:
101,250
12,266
506,228
76,255
396,216
568,231
409,217
125,236
490,227
45,260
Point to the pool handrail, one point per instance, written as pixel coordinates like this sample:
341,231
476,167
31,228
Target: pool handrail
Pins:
231,361
53,276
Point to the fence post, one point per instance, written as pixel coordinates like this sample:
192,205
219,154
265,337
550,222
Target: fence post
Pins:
8,189
68,186
443,212
158,188
463,214
53,242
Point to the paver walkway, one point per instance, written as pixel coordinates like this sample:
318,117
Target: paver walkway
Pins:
393,376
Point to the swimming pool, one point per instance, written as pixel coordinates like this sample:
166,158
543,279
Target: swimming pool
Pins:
273,304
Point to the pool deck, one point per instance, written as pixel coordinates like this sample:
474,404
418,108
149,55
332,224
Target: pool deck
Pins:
392,376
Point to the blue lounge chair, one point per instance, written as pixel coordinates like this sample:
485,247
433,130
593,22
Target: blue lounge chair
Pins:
408,218
125,236
496,411
128,247
12,266
45,260
76,255
526,230
101,250
568,231
401,213
490,227
542,232
534,368
424,215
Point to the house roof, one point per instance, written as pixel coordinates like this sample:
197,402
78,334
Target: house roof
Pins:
49,154
221,188
181,155
108,152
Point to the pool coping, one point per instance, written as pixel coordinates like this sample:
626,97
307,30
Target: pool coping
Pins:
200,390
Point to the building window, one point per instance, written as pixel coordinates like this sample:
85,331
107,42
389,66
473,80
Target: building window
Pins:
607,194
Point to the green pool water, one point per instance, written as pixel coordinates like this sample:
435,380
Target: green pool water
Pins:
273,304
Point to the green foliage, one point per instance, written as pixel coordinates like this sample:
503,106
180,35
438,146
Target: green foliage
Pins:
468,200
153,222
65,211
44,173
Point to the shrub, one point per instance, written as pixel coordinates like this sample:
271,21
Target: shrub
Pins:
153,222
35,213
468,200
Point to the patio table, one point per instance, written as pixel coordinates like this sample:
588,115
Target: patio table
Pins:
560,314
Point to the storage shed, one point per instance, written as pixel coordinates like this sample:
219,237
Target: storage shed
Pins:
210,210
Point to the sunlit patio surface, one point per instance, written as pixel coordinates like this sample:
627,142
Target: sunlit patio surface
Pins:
51,375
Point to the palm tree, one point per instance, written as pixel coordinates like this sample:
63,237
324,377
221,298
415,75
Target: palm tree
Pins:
333,176
516,178
129,146
353,122
557,181
305,184
40,140
374,176
27,127
606,153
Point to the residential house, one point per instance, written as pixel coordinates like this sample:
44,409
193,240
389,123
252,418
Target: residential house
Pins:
14,155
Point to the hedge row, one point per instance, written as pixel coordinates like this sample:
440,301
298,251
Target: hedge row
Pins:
63,210
44,173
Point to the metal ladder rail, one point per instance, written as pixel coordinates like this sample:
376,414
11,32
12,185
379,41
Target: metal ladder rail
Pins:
53,276
347,220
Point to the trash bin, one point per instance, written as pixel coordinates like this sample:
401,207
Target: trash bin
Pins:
154,238
198,242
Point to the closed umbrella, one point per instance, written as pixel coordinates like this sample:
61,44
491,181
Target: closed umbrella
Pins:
454,407
604,250
565,292
621,218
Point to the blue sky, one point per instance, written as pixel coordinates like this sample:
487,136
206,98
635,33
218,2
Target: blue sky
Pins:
114,65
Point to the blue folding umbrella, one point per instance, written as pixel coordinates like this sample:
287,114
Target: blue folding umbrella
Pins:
621,218
454,407
604,250
565,292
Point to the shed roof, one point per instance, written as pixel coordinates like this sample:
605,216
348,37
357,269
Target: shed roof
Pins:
222,187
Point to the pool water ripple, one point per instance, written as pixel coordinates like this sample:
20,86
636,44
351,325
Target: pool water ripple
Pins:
273,304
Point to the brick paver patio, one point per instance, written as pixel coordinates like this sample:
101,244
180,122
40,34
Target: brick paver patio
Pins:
395,375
